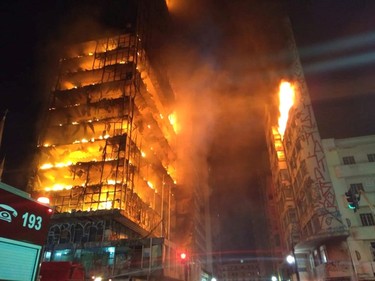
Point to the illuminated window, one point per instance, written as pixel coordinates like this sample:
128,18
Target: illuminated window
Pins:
348,160
278,145
281,155
367,219
111,254
316,258
371,157
62,255
323,253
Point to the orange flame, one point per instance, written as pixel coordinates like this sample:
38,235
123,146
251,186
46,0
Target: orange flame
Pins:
172,5
286,101
174,122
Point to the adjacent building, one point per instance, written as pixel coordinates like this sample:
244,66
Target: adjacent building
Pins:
310,177
237,269
351,165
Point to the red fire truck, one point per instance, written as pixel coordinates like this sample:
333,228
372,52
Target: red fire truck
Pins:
61,271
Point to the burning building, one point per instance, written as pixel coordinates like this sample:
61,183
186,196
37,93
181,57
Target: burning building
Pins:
310,178
107,161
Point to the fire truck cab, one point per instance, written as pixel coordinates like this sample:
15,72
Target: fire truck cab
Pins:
61,271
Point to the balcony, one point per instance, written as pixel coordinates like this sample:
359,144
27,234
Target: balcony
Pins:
353,170
334,269
365,270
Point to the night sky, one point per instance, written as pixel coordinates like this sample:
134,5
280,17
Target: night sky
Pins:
214,47
336,42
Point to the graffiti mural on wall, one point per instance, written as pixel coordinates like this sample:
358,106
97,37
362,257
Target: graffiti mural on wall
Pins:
324,214
76,233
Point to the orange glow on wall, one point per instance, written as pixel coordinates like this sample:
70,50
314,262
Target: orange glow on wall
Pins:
286,101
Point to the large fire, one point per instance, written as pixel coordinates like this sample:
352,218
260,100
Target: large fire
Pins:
172,5
286,101
174,122
104,149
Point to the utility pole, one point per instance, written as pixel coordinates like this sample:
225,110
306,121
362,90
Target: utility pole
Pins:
295,263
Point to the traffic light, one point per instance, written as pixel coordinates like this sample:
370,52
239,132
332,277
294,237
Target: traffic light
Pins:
183,257
353,198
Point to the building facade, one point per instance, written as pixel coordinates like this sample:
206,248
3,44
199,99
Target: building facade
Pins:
240,270
106,159
107,163
282,213
311,225
350,162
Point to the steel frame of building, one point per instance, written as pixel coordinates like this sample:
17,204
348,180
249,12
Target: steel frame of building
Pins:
106,158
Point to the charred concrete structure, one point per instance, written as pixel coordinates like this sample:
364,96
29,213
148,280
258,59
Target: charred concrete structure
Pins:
107,161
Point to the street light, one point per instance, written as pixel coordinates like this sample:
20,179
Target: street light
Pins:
290,259
273,278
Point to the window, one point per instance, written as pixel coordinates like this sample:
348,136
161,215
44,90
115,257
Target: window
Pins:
323,254
371,157
348,160
367,219
316,258
373,250
356,187
292,215
311,259
280,155
78,233
284,175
